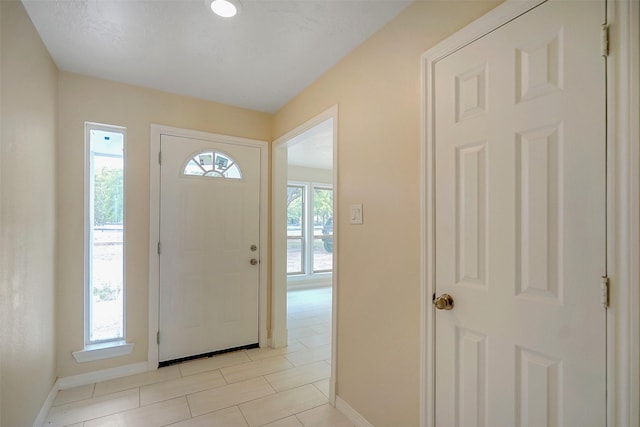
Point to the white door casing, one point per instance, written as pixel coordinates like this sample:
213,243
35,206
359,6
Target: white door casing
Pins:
519,167
230,311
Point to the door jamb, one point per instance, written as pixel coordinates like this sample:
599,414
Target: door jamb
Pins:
156,132
623,324
623,213
279,240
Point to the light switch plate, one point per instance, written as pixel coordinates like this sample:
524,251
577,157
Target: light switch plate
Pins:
355,214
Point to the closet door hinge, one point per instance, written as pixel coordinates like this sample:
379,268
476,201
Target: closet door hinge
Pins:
604,40
158,337
604,289
158,248
159,157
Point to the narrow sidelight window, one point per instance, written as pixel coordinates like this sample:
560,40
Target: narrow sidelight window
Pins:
104,233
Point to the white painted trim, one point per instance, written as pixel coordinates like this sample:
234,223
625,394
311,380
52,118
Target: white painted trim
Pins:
279,333
46,406
103,351
487,23
154,226
623,318
88,249
279,237
623,249
102,375
353,415
334,274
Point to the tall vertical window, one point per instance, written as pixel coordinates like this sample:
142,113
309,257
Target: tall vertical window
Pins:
104,251
309,229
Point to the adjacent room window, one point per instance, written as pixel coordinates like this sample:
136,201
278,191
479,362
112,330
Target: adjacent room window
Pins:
104,231
309,228
296,195
322,215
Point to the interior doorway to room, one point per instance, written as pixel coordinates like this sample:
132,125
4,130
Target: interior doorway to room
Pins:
304,242
310,240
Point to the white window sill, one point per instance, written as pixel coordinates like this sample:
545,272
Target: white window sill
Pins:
103,351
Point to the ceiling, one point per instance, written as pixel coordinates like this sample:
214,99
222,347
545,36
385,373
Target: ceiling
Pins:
258,60
312,148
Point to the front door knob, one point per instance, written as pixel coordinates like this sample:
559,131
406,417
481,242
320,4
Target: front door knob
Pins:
443,302
254,261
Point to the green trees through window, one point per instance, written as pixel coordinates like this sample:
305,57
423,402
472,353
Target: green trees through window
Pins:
108,196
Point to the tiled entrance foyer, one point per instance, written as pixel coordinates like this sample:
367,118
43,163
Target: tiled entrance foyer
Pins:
261,387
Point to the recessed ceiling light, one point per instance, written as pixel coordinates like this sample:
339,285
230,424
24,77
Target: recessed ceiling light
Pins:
224,8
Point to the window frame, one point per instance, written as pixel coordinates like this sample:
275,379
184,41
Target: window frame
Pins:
214,173
303,229
88,241
308,233
313,235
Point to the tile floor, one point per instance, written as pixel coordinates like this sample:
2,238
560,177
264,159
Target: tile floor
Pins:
261,387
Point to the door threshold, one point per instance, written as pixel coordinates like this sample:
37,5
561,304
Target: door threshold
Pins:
209,354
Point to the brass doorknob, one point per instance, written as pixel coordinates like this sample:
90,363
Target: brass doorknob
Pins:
443,302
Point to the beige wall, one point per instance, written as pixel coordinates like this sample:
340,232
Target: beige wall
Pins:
27,223
377,88
89,99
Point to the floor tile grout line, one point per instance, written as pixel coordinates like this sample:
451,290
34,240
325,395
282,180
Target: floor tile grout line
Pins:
208,370
186,397
244,417
238,404
309,409
182,395
275,394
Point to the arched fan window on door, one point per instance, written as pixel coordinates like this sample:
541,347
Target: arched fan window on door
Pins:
212,164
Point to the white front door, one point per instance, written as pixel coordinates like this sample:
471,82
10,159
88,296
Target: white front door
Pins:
520,223
209,246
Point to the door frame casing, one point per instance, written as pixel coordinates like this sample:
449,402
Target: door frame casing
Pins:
623,220
154,228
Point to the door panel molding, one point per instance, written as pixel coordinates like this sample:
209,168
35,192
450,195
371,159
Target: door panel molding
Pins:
154,227
623,342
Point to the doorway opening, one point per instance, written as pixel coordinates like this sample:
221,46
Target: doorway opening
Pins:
305,242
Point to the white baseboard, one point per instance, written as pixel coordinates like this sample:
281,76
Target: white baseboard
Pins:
48,403
353,415
103,375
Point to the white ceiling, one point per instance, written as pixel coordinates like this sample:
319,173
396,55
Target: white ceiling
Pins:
313,148
258,60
